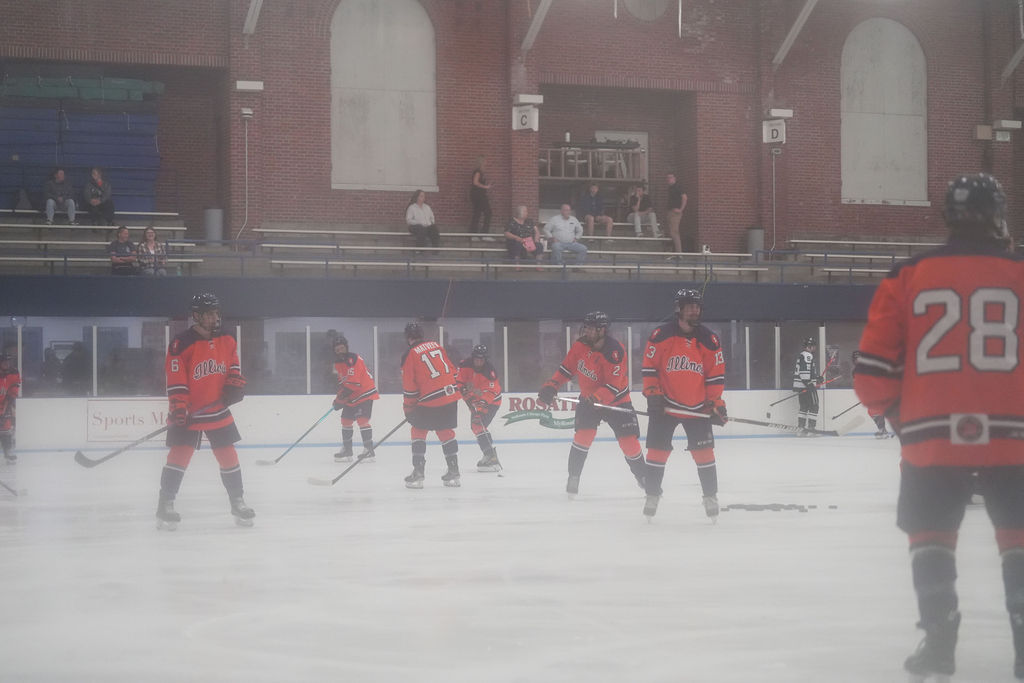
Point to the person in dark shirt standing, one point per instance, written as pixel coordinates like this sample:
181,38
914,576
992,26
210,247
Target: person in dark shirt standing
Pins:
478,196
591,209
122,254
676,205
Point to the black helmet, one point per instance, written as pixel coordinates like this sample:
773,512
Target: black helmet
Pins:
976,208
340,339
479,351
597,319
204,302
810,341
688,296
414,331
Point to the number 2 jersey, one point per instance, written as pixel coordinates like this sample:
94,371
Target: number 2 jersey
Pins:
687,369
941,351
601,374
479,385
196,371
428,376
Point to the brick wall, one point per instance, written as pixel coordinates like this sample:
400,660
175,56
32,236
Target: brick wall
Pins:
702,95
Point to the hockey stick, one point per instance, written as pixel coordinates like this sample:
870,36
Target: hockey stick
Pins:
847,410
82,460
362,456
22,492
840,431
304,435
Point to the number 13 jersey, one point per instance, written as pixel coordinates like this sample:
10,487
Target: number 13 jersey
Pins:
941,353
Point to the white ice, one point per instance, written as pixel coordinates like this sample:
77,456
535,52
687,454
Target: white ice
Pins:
503,580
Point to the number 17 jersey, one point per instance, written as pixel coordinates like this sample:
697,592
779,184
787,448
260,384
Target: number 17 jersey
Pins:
428,376
941,352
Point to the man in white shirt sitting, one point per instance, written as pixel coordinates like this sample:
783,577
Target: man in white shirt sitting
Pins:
420,220
563,233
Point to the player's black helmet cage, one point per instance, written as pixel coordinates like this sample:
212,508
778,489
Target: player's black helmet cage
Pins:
204,302
976,208
479,351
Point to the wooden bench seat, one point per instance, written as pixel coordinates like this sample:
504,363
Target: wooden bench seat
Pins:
53,261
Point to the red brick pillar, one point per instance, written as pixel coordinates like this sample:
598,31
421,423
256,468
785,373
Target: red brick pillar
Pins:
524,145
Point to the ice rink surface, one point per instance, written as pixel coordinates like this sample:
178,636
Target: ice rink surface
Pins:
503,580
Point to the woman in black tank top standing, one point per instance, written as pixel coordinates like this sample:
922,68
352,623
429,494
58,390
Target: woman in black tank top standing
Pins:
478,196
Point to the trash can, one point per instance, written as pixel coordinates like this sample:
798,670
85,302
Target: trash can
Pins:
755,240
213,224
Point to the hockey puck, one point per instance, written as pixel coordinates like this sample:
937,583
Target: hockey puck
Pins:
833,507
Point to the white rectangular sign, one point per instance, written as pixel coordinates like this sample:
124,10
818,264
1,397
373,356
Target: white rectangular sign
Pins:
773,130
116,420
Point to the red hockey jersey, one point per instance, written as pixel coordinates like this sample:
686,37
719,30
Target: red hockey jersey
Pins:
428,376
941,354
355,380
600,374
196,371
686,369
479,385
10,389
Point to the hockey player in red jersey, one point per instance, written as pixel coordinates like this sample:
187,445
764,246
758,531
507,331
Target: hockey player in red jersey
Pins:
431,403
684,370
203,380
940,357
356,394
598,362
481,390
10,389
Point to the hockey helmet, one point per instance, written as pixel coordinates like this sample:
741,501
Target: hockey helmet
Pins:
414,331
204,302
689,296
598,319
809,342
976,208
479,351
339,340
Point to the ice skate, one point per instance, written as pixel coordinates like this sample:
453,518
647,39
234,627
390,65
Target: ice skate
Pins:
344,455
711,507
489,463
651,506
572,486
415,480
368,455
934,659
1018,668
242,512
166,517
452,477
10,458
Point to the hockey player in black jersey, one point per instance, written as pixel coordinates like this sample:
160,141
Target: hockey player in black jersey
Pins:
805,381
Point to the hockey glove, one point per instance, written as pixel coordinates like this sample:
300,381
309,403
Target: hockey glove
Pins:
587,401
820,379
233,391
716,409
341,398
656,404
546,395
178,416
480,406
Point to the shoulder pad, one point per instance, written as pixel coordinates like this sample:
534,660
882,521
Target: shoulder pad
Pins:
349,359
707,338
405,354
489,372
182,341
613,350
663,332
468,363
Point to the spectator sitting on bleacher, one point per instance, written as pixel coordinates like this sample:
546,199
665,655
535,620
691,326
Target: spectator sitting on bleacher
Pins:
642,210
419,217
563,233
591,208
522,237
122,254
151,255
98,200
58,192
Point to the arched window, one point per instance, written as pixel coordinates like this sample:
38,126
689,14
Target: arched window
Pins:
383,96
884,116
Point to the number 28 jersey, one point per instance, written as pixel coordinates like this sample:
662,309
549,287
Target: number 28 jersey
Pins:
941,351
428,376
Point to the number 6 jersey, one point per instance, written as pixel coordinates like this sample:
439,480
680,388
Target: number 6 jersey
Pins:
941,354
